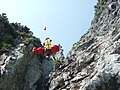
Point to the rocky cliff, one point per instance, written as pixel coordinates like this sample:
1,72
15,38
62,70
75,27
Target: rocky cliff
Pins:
19,68
94,61
92,64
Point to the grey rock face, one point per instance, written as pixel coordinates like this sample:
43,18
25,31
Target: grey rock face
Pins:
19,70
2,58
32,73
22,70
93,62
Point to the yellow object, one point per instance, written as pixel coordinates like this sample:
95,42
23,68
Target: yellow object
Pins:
48,44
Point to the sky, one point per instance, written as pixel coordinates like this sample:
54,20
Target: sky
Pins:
66,20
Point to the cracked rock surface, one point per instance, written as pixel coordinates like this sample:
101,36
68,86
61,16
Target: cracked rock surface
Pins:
94,61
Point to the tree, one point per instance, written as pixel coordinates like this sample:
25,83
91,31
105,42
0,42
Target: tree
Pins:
4,17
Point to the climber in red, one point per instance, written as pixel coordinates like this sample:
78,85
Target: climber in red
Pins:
41,50
47,49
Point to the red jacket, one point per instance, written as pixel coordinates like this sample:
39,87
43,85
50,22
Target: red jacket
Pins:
40,50
48,51
55,48
34,50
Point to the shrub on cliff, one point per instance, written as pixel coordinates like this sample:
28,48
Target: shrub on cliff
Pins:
100,6
12,31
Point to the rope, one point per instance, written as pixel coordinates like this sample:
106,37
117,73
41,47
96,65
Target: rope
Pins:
42,16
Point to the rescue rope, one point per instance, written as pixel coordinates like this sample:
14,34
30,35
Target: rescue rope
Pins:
43,17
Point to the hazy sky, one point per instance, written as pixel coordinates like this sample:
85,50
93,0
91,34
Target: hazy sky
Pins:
66,20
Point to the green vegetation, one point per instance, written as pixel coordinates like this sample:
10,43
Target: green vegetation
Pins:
11,31
4,20
4,47
101,2
100,6
6,38
56,62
